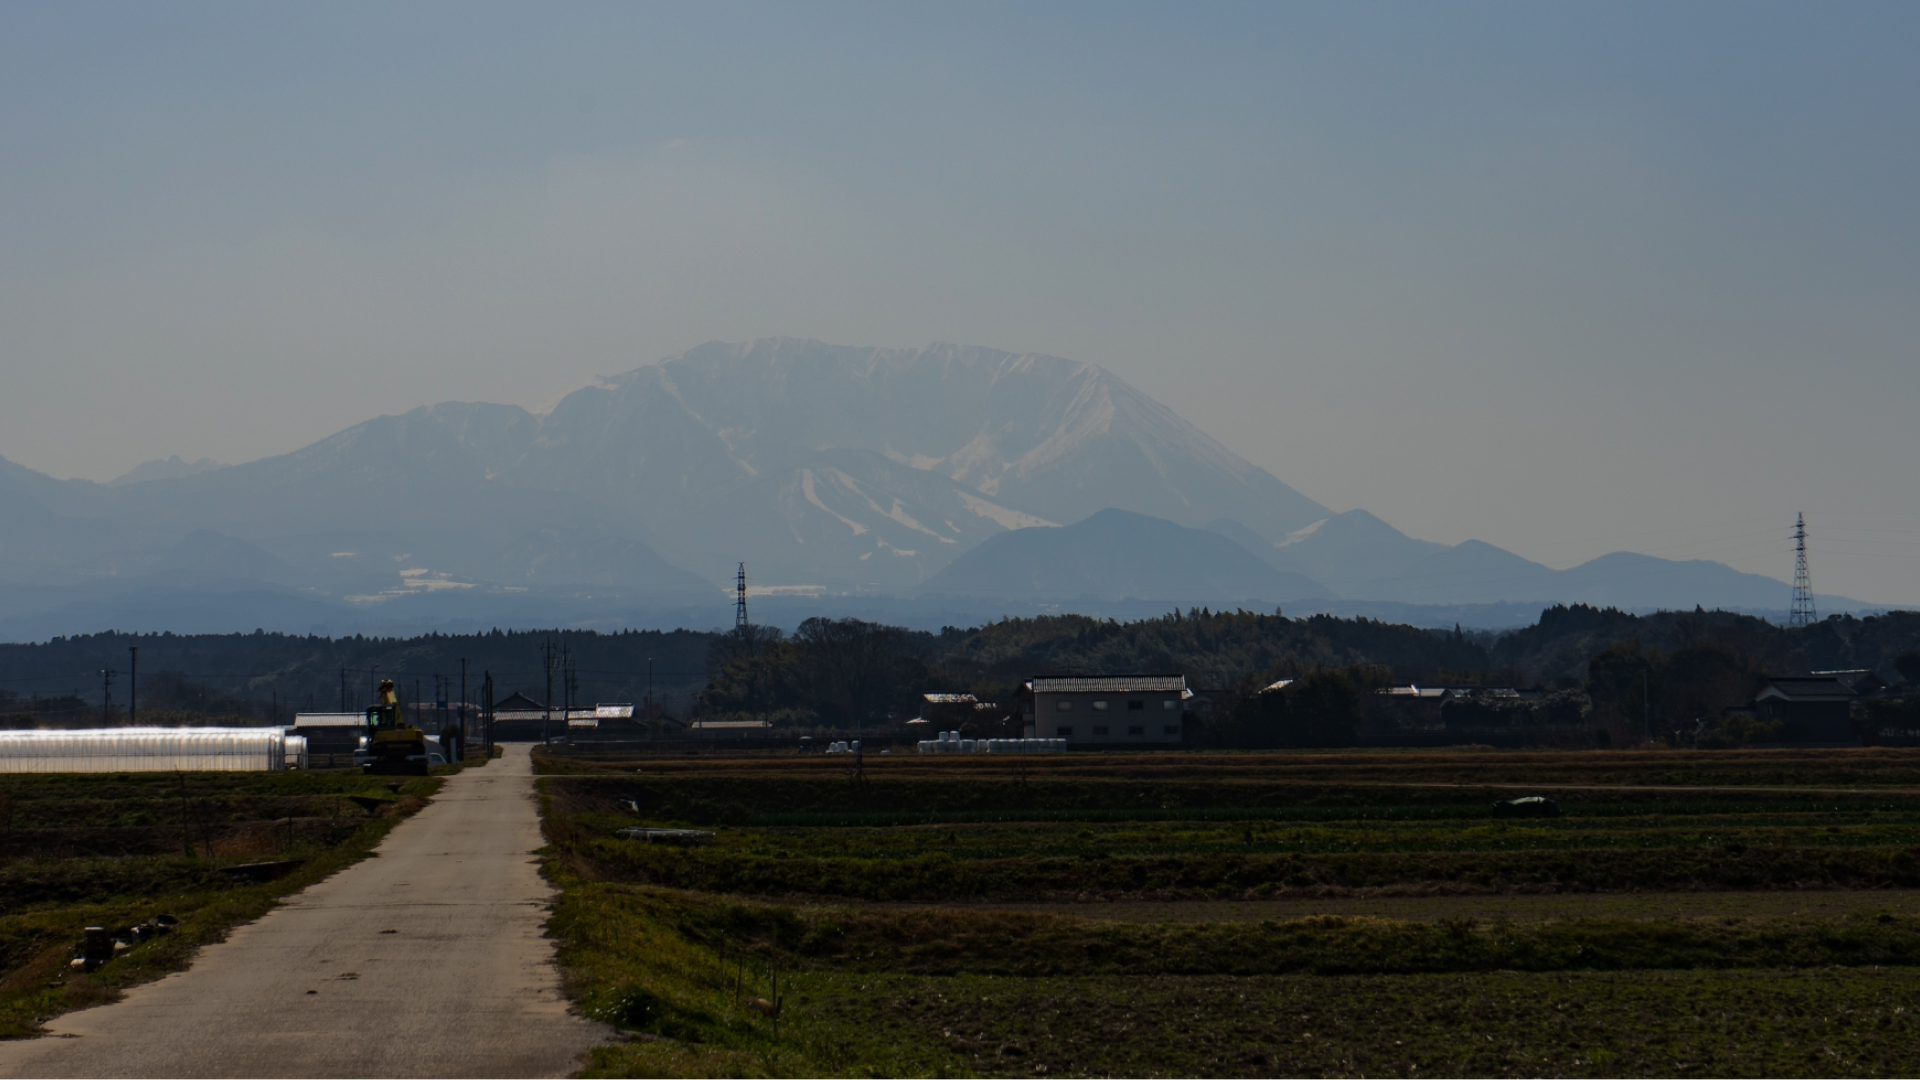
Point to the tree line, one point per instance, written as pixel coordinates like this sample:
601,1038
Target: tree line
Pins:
1628,673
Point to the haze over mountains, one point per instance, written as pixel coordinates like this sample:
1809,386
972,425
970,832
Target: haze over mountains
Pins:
830,470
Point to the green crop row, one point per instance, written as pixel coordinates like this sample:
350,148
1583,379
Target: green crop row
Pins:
992,842
939,877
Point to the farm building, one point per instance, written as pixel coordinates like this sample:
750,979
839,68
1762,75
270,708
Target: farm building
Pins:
599,715
947,710
729,729
519,718
331,737
1124,710
1815,709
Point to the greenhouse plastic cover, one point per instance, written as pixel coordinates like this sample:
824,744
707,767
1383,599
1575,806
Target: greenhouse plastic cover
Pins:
144,750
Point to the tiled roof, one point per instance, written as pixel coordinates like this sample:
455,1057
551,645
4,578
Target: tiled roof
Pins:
1112,684
948,699
1822,687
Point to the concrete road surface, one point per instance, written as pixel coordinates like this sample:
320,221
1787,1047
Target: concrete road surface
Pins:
426,960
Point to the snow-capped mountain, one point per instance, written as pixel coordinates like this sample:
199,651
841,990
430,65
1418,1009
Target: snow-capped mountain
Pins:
876,467
823,467
845,468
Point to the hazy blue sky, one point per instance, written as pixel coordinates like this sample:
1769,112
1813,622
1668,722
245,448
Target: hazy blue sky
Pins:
1567,278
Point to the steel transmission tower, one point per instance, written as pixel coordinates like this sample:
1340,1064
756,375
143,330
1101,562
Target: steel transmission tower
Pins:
1802,613
740,602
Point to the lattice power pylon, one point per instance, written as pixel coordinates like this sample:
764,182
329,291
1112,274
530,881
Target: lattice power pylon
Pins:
1802,613
740,601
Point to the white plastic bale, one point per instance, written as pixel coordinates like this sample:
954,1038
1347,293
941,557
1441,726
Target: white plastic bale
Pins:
144,750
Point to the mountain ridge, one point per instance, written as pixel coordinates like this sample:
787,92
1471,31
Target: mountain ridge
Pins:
1118,555
847,470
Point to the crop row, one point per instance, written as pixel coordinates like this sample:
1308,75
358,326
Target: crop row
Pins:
941,877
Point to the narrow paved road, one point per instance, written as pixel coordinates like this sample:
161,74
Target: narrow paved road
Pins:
427,960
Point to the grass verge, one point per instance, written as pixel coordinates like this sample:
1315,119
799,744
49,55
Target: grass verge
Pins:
38,942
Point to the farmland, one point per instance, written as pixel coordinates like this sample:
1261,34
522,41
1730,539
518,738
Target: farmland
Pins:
1737,912
115,849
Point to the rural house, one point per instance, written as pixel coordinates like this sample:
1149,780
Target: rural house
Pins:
1124,710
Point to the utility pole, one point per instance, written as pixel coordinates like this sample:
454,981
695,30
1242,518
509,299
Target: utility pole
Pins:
1646,698
1802,613
650,719
486,694
133,686
569,686
546,719
343,688
463,704
373,686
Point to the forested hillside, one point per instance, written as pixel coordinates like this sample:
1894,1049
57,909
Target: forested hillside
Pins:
259,675
1210,647
847,671
1559,646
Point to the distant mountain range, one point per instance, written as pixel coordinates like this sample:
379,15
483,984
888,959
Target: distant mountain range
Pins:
831,471
1356,556
1118,555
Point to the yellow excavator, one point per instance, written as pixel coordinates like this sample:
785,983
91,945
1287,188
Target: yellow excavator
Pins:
393,747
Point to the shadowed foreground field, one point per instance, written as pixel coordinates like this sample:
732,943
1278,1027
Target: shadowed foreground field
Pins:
116,849
1741,913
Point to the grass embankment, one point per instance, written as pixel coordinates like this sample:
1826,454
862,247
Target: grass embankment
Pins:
115,849
955,941
955,989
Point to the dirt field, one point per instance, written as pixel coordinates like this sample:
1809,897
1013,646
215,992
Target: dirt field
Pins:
1266,910
1812,904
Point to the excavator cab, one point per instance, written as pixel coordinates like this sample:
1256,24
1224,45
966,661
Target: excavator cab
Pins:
393,748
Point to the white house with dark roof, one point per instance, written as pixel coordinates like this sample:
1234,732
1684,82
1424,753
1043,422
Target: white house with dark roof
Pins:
1125,710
